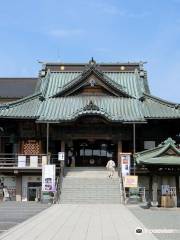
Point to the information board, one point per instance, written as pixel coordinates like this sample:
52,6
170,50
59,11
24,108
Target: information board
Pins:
61,156
33,161
131,181
21,161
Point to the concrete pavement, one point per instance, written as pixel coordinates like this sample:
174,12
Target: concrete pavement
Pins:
13,213
80,222
163,222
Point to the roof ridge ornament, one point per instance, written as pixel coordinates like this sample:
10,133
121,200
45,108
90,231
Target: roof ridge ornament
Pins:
177,106
92,66
142,98
168,141
92,62
91,106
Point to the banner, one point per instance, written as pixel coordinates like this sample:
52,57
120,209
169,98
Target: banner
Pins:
21,161
125,163
131,181
48,178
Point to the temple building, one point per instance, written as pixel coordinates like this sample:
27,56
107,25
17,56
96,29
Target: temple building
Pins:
92,112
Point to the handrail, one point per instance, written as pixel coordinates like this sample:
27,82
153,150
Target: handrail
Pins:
122,188
60,181
11,159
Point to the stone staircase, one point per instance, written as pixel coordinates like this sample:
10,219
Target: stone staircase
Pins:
90,185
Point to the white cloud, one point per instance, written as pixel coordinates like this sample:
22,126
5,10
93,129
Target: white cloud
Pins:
64,33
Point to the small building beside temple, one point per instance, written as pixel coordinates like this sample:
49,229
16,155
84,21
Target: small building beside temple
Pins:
92,112
162,165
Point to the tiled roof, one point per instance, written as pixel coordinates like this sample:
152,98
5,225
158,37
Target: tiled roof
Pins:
44,106
23,108
17,87
112,108
130,81
159,155
154,107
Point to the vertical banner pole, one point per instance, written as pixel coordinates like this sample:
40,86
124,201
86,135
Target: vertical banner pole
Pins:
134,144
47,142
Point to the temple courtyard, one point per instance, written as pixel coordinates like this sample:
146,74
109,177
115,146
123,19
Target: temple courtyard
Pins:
38,221
13,213
77,222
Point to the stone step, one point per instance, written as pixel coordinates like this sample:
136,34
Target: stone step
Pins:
90,194
85,201
90,185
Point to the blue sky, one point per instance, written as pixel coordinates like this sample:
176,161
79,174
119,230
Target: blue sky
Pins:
108,30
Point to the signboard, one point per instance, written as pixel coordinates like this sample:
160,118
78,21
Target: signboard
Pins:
44,160
21,161
48,178
149,144
61,156
33,161
125,163
165,190
131,181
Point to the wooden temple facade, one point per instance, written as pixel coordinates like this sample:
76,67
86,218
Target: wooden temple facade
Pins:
92,112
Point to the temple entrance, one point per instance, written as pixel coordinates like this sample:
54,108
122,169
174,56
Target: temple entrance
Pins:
94,152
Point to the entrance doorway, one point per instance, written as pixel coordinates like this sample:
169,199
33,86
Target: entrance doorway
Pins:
94,153
34,191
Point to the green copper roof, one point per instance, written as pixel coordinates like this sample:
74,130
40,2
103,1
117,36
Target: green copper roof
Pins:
164,160
134,105
56,81
130,81
24,108
70,108
154,107
165,154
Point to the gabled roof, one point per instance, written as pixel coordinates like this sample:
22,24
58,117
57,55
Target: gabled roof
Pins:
133,101
128,82
92,69
165,154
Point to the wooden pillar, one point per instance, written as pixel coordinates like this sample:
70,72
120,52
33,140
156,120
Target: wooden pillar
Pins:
18,188
177,191
119,151
134,146
62,146
155,188
62,163
150,189
119,156
47,139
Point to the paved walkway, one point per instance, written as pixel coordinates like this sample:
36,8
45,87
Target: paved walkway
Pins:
13,213
163,222
80,222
